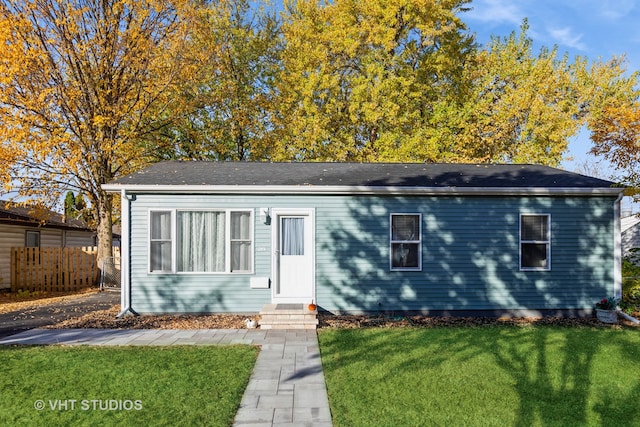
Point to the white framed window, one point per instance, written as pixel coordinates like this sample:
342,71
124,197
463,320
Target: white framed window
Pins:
535,242
160,241
406,241
201,241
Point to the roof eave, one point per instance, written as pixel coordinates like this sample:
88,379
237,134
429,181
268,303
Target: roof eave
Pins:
361,190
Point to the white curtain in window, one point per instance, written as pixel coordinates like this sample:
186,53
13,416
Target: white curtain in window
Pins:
292,236
240,241
201,241
160,241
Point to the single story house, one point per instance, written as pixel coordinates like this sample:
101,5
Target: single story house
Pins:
23,227
483,239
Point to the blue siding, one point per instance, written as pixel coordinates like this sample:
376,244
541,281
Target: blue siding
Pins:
470,255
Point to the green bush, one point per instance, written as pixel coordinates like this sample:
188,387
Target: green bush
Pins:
631,279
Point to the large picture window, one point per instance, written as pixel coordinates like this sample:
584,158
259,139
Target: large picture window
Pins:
406,242
535,242
205,241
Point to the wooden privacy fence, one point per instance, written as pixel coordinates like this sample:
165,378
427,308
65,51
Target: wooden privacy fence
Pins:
53,269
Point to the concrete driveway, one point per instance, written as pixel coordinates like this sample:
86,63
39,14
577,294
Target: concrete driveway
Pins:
36,317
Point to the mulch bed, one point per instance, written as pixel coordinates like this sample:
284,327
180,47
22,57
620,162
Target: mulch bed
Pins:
346,322
106,319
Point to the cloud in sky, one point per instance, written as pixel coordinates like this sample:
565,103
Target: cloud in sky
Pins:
496,11
593,29
566,37
615,9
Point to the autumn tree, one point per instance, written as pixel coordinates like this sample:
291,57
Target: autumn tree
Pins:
404,81
236,44
364,81
82,83
524,106
615,133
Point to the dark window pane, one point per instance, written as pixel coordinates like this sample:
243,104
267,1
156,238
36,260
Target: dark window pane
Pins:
534,255
404,255
535,227
405,227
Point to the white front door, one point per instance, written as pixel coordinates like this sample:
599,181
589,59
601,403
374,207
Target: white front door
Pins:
293,255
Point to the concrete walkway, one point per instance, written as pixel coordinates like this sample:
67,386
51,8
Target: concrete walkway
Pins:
287,387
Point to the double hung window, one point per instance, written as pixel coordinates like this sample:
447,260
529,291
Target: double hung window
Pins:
406,242
202,241
535,242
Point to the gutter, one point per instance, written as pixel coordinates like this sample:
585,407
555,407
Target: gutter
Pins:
361,190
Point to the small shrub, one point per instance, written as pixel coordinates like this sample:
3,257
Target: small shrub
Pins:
631,281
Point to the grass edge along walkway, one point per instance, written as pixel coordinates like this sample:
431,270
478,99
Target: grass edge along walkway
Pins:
132,385
490,376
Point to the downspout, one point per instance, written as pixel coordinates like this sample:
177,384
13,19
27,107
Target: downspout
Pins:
125,245
617,258
627,317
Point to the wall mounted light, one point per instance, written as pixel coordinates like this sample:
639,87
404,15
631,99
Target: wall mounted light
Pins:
265,215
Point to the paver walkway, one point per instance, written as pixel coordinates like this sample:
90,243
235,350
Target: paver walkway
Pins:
287,387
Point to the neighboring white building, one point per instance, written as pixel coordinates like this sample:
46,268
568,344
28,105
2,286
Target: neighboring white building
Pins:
630,233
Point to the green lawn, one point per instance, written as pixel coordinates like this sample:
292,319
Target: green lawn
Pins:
484,376
187,385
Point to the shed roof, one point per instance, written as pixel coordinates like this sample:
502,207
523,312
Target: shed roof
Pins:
201,176
37,217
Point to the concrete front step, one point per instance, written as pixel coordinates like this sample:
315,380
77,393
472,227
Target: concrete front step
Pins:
288,316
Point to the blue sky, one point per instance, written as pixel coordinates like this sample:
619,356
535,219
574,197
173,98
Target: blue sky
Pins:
595,29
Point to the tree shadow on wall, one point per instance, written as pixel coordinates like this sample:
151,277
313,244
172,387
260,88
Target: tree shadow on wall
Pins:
470,256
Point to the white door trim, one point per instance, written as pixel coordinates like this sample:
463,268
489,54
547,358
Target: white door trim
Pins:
276,213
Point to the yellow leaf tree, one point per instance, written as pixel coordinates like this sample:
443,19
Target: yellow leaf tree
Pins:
362,81
82,83
236,45
616,136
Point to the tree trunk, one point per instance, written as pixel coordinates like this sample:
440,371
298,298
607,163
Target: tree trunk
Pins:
105,226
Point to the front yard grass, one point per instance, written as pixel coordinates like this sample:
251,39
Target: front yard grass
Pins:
183,385
489,376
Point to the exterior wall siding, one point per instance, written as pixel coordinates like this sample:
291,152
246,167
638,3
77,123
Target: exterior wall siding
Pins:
13,236
10,237
470,258
74,239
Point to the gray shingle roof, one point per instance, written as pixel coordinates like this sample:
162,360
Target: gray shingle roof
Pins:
425,175
15,214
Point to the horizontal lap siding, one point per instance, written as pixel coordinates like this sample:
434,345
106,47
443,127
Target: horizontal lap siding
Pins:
10,237
470,255
74,239
194,292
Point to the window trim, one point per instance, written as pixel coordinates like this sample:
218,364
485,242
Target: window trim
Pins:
392,241
227,241
546,242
